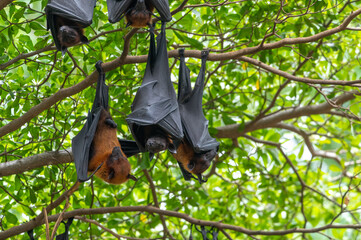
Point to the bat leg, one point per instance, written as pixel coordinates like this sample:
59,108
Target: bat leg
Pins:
110,123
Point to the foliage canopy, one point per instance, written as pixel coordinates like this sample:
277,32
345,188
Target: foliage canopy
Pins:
281,96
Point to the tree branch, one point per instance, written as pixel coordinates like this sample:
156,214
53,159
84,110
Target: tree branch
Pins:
298,79
35,161
150,209
232,131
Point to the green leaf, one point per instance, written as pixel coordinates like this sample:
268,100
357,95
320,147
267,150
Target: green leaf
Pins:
11,218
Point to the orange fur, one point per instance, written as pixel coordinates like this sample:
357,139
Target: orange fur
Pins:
139,18
114,171
186,155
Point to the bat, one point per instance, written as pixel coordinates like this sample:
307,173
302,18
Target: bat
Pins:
106,152
96,147
67,19
197,150
70,33
155,121
138,13
193,162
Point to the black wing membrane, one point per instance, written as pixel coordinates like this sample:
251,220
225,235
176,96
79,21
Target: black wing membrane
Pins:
194,123
79,11
82,141
155,103
118,8
129,147
162,7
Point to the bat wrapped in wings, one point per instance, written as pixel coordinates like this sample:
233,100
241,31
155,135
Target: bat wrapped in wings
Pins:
155,120
197,149
66,20
96,148
138,13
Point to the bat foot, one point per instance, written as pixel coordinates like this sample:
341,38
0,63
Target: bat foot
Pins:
156,144
110,123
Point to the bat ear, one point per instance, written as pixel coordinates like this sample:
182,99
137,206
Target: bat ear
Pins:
172,148
84,39
111,173
132,177
191,165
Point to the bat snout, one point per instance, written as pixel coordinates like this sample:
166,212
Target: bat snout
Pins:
156,144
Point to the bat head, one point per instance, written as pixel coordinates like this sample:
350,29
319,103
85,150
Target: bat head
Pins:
195,163
68,36
116,169
140,14
156,144
200,162
155,139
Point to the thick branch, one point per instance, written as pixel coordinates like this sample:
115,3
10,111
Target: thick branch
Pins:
35,161
232,131
150,209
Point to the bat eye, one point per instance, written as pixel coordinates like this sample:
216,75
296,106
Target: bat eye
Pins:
191,165
111,173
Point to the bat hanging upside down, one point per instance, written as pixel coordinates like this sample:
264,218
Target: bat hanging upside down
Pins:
139,14
70,33
193,162
106,151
